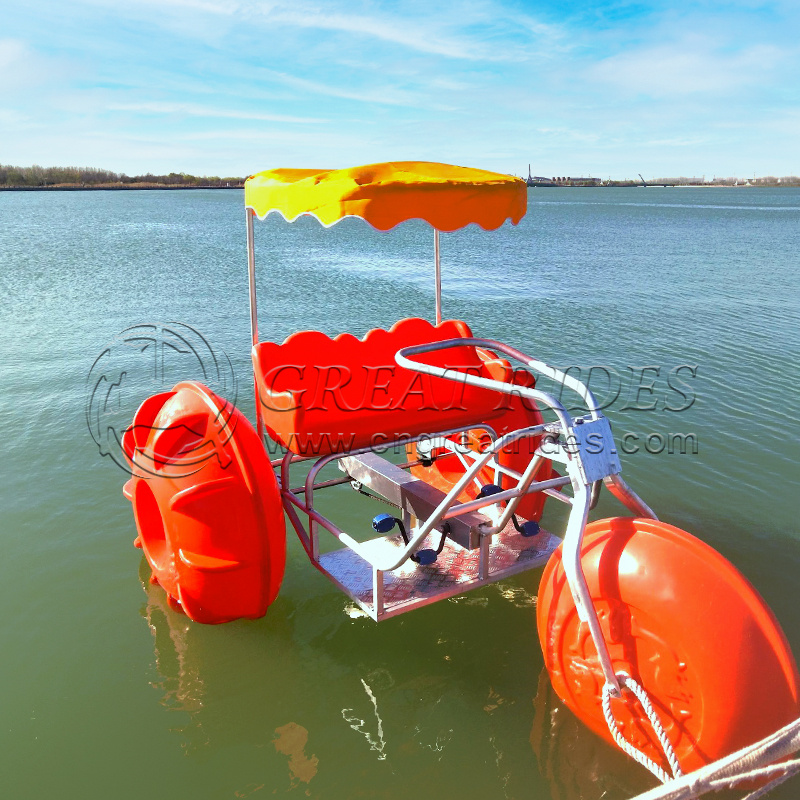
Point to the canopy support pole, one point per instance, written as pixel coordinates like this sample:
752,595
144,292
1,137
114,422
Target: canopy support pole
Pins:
438,273
251,275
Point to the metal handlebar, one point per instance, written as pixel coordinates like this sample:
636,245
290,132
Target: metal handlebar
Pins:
583,492
583,391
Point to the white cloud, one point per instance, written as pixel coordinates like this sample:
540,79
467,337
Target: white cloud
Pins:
385,95
20,66
332,82
438,30
441,33
226,7
685,141
415,36
12,53
570,134
194,110
216,7
690,67
10,117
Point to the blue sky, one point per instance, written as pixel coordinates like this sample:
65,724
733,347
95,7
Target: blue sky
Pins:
222,87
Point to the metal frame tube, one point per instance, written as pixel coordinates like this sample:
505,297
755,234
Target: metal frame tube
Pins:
309,536
436,517
310,484
509,494
571,561
377,592
403,360
438,275
522,488
251,278
620,489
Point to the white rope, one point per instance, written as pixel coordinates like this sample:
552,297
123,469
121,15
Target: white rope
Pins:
626,682
789,768
747,764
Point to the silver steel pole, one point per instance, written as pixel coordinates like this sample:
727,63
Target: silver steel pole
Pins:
576,581
251,274
251,277
438,271
620,489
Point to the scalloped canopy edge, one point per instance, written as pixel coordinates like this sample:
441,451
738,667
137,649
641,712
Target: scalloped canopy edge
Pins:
445,196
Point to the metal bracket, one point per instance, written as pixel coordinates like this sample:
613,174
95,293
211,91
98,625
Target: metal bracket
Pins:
412,496
592,442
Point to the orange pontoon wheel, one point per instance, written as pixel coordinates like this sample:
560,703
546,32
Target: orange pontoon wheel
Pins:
685,624
207,505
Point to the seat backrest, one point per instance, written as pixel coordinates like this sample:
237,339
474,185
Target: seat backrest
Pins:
321,395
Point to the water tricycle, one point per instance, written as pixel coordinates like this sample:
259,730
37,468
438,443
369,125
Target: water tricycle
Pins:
649,636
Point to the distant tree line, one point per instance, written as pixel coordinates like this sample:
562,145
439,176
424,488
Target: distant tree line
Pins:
768,180
89,176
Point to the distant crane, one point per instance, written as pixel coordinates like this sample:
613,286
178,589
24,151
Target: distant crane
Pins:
646,184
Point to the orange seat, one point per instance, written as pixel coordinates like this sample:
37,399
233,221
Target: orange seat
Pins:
320,395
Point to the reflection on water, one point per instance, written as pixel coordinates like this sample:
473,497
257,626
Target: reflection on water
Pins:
180,679
291,741
376,741
577,764
403,713
197,676
192,678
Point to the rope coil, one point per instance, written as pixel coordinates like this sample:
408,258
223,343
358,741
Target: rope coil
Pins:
626,682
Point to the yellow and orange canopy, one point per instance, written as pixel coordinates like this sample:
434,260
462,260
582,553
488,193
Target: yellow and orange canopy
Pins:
385,195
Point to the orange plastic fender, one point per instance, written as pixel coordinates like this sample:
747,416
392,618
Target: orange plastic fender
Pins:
206,503
684,623
447,469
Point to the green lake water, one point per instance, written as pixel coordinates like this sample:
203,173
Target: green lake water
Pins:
108,693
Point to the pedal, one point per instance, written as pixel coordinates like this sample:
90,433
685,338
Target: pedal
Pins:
527,529
425,557
383,523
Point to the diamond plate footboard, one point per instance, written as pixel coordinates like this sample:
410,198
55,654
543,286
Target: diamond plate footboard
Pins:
454,572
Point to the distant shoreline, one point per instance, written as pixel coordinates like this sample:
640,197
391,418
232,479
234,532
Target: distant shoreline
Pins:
163,187
676,186
128,187
668,185
156,187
